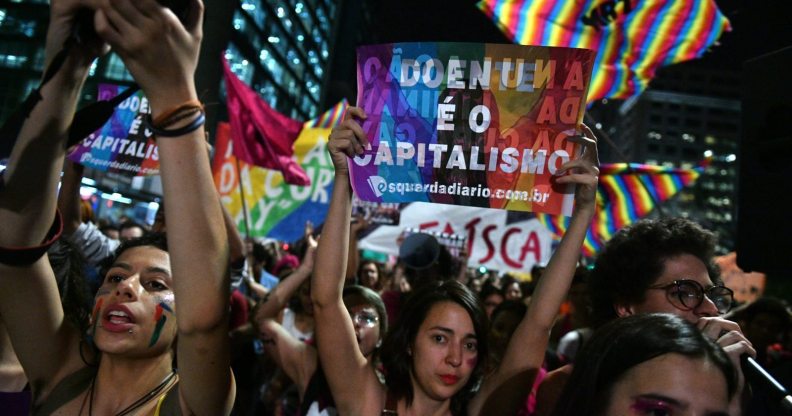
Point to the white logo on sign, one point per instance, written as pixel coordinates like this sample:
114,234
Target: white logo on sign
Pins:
378,184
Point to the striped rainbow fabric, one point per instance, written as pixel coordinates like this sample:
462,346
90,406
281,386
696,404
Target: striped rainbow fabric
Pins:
330,118
633,37
626,193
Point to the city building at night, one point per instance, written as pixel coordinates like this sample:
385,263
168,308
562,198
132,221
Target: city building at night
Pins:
690,117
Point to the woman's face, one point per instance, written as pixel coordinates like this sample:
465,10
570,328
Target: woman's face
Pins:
366,321
671,385
513,291
491,302
369,275
134,309
444,352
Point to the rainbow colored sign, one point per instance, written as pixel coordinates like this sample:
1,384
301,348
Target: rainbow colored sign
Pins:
274,208
120,146
482,125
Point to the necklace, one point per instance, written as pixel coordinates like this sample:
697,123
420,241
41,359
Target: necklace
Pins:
139,402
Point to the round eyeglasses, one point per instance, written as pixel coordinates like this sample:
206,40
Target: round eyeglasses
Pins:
688,294
365,318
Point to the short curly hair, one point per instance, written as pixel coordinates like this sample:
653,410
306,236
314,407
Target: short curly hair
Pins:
635,257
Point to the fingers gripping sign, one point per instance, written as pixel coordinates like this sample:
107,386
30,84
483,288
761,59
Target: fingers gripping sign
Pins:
583,170
347,140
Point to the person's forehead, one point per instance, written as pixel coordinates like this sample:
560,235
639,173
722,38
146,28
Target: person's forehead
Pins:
685,266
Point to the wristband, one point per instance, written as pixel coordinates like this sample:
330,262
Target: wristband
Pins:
163,118
25,256
181,131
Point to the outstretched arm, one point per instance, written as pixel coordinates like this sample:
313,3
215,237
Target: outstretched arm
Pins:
276,300
161,53
505,390
353,383
29,301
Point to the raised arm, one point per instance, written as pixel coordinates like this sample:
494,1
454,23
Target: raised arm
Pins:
276,300
352,381
95,245
505,390
29,301
161,53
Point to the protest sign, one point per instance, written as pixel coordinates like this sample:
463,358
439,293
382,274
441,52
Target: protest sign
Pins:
385,213
274,208
469,124
492,240
121,145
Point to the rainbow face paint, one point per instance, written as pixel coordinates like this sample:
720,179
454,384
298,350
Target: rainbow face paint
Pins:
95,316
160,319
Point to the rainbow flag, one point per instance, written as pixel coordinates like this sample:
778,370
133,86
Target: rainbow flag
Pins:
330,118
626,193
633,38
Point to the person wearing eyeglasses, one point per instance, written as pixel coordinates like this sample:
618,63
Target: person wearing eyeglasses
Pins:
659,266
300,360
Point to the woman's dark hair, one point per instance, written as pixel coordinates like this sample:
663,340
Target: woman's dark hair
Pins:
157,240
635,257
624,343
359,295
398,344
488,289
153,239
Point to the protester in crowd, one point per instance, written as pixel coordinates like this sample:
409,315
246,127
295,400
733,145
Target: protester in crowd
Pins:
766,322
435,355
129,229
292,292
110,231
663,265
127,366
491,296
422,261
511,288
649,364
96,245
503,323
299,360
574,325
369,274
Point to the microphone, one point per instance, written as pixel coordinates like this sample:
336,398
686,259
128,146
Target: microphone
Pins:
757,375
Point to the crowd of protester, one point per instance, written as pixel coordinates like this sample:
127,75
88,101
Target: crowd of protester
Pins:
102,319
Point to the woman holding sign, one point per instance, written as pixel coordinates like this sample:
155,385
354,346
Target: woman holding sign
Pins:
151,294
434,356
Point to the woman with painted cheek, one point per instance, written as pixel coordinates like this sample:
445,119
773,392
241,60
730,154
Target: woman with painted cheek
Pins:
437,348
434,357
126,368
135,304
648,365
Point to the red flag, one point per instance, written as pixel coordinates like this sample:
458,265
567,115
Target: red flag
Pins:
261,135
